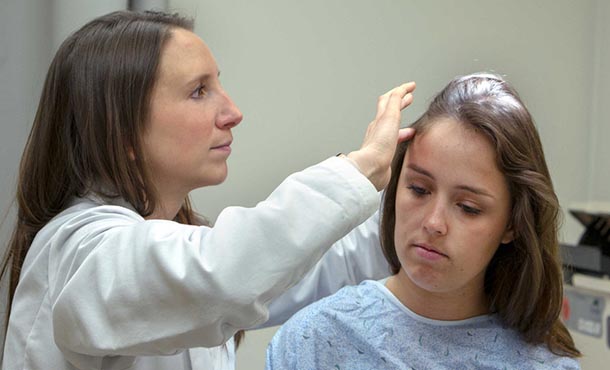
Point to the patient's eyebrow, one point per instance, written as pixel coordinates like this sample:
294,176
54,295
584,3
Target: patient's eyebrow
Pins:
420,170
469,188
477,191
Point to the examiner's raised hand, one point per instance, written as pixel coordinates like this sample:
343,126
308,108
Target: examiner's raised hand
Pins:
383,133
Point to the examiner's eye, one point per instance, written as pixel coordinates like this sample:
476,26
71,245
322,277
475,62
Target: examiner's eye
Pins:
418,190
469,210
199,92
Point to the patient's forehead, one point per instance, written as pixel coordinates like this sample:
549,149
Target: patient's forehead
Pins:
450,135
448,147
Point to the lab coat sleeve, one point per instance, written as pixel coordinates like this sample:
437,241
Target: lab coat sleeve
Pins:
354,258
135,287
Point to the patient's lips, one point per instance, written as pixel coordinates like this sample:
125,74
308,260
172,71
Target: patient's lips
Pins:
429,252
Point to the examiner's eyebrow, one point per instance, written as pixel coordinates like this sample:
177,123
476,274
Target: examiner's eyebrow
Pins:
201,77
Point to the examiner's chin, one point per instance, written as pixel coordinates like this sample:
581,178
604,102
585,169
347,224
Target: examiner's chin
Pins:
211,178
217,178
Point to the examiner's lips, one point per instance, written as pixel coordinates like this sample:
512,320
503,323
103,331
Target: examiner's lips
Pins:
428,252
223,147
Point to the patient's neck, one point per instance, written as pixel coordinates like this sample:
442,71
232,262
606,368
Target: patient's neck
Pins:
438,305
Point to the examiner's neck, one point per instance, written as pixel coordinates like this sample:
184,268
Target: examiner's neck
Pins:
166,210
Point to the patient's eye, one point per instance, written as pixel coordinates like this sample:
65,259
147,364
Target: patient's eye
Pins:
469,210
418,191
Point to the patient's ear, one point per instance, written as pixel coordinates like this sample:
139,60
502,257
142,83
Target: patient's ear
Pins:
508,236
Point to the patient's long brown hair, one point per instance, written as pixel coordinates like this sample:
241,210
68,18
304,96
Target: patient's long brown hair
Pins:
523,281
88,127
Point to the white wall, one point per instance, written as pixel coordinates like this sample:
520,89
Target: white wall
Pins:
599,169
306,75
69,15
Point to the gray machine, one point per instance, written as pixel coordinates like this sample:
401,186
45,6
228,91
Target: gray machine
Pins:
592,253
586,305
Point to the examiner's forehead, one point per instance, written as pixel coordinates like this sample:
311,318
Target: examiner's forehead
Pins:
182,44
185,55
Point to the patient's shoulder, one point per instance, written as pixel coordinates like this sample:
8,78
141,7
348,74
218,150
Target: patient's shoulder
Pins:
339,309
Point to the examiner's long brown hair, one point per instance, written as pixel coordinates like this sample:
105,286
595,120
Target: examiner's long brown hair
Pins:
523,281
86,135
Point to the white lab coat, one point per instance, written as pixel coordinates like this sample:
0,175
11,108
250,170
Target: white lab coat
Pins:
102,288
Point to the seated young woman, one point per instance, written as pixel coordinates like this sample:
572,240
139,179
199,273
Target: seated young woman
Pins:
469,227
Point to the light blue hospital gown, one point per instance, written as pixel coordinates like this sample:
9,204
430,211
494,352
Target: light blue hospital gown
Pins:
366,327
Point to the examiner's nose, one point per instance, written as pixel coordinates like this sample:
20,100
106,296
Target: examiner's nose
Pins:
230,116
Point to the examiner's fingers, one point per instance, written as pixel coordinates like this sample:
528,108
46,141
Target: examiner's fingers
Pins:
407,100
382,102
405,134
403,91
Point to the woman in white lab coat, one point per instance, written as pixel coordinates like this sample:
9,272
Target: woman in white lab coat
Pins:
109,266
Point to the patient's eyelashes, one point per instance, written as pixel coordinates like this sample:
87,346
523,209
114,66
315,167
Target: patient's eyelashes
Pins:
469,210
418,191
